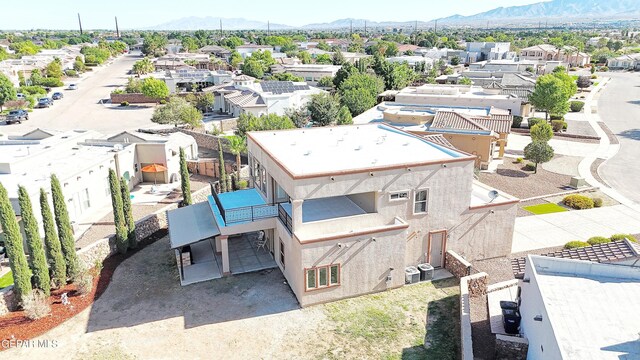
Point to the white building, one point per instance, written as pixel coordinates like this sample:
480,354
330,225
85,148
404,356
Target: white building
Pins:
244,95
248,49
311,73
479,51
625,62
81,160
574,309
412,60
185,79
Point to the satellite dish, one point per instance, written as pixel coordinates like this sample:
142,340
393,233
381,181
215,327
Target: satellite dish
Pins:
493,194
118,147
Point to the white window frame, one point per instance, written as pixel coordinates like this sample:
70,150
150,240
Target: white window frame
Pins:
407,192
426,201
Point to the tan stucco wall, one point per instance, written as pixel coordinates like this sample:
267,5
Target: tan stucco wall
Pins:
479,145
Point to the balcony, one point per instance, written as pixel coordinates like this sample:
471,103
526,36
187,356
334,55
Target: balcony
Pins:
239,207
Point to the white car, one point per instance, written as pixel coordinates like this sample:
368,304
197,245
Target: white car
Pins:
72,87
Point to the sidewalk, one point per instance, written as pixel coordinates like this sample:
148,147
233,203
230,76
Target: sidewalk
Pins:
542,231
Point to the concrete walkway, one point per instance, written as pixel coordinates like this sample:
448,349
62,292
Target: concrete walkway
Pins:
560,146
542,231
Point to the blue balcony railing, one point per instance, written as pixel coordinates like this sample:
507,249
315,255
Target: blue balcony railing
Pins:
249,213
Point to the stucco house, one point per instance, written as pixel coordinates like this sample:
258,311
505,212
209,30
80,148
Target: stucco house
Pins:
344,210
625,62
545,52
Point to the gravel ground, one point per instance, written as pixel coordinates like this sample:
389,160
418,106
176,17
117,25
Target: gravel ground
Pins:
106,227
612,138
563,164
594,171
511,179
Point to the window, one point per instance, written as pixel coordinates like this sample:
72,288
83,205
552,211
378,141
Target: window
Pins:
322,277
420,201
398,195
281,253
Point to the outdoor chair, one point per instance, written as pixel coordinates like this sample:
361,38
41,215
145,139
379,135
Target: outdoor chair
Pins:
262,241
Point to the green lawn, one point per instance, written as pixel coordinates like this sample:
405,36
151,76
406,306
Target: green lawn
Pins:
544,209
6,280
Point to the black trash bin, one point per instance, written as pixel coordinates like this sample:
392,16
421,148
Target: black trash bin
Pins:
426,272
511,320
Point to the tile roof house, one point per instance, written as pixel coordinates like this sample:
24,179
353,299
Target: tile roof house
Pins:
625,62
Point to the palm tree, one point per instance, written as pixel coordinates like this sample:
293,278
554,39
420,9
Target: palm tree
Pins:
143,66
237,146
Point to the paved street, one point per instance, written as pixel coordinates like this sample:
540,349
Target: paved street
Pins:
80,109
618,107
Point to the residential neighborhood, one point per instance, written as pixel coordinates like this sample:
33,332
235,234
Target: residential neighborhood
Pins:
452,181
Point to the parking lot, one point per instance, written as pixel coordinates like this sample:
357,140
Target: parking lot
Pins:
83,108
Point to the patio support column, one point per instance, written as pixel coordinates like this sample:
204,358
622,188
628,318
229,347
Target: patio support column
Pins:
224,247
296,214
218,245
501,143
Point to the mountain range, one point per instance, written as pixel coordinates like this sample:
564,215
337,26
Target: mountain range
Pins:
555,10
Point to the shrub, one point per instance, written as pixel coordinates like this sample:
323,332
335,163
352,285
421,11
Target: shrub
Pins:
597,202
564,125
84,283
534,121
517,120
576,244
118,91
124,103
595,240
529,167
242,184
51,82
556,117
576,106
604,69
36,305
578,202
557,125
163,101
32,90
618,237
594,76
519,160
71,73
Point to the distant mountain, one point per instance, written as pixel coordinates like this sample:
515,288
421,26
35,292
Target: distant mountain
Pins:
360,23
553,10
213,23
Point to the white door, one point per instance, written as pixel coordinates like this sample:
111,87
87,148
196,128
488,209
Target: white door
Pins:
437,248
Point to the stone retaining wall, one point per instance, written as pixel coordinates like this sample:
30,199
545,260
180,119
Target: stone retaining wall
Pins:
511,347
456,264
477,284
132,99
8,301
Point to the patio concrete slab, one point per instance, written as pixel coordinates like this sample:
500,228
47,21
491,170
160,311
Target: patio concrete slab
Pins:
509,293
244,255
541,231
204,265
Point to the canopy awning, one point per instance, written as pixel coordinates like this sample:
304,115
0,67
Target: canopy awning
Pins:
191,224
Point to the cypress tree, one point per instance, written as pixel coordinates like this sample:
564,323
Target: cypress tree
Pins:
65,233
15,250
128,213
37,259
118,213
57,267
185,182
223,172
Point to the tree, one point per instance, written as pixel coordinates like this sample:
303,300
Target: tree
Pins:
79,65
593,70
542,132
583,82
345,72
14,248
338,58
185,181
325,81
299,116
189,44
305,57
154,88
7,91
568,83
127,209
539,152
221,169
249,122
344,116
118,212
154,43
54,69
237,146
143,66
456,60
37,258
287,77
177,111
324,59
253,68
323,109
64,228
235,59
359,92
322,45
550,95
57,266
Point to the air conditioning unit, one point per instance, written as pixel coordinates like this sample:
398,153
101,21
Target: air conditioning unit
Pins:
411,275
426,272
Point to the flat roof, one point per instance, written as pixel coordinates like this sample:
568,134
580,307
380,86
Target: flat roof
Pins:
483,195
345,149
240,198
375,114
592,307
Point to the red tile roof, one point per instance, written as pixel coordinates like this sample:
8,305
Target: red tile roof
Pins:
453,120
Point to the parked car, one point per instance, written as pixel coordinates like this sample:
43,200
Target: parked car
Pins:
16,116
57,96
20,96
47,89
72,87
44,103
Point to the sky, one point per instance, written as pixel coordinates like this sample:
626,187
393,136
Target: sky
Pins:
133,14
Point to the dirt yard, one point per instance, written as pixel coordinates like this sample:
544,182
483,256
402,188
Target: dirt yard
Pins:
144,313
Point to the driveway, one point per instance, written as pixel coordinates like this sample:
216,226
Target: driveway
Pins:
543,231
619,106
80,109
146,314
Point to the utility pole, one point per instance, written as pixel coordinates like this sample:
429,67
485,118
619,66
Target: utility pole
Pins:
415,34
435,28
487,25
351,28
117,29
365,28
220,28
80,23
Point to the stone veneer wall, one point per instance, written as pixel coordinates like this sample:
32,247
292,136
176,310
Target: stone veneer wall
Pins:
456,264
7,300
470,286
511,347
